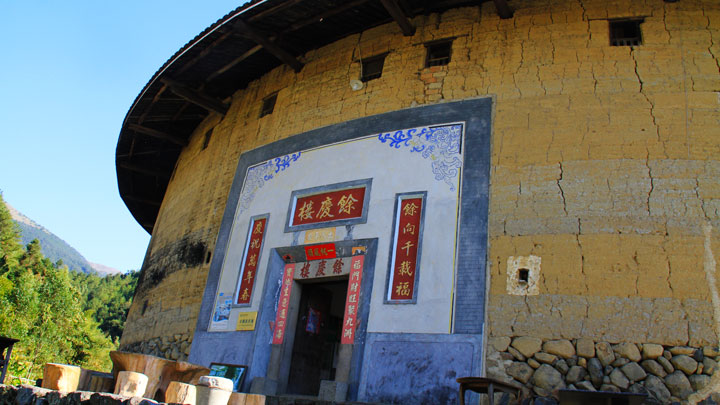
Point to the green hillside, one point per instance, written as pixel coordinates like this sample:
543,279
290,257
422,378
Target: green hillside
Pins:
54,248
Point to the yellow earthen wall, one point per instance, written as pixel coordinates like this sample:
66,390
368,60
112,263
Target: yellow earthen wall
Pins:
605,160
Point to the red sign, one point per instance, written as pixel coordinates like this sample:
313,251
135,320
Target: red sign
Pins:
329,206
283,304
352,302
317,252
407,239
251,259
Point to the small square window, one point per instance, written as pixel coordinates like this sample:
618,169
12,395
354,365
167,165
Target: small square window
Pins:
625,32
438,53
268,105
372,68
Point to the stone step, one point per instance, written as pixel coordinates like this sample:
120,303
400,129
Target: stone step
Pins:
308,400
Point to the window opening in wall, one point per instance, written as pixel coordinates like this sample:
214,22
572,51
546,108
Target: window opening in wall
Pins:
268,105
625,32
372,68
438,53
208,135
523,275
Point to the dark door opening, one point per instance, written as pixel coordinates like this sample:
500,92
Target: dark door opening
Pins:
317,336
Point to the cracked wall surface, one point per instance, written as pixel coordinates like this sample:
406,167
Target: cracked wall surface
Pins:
605,160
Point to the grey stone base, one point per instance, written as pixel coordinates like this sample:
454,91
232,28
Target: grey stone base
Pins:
333,391
264,386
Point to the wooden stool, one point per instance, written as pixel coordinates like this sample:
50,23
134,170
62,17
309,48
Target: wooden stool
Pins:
61,377
180,393
101,382
486,386
131,384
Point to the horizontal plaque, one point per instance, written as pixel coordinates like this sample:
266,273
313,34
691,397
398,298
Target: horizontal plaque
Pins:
329,206
317,252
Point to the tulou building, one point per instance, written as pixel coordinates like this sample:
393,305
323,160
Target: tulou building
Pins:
366,200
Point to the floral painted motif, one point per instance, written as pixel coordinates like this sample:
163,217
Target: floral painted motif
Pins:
441,145
258,175
283,163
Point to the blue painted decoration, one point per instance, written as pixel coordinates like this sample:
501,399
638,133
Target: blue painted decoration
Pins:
441,145
260,174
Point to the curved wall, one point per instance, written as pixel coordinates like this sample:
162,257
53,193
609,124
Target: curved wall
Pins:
604,166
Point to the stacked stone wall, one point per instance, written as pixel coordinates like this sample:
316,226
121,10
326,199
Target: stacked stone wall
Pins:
663,373
605,163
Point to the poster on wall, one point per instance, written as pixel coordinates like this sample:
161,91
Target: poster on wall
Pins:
221,315
405,259
246,321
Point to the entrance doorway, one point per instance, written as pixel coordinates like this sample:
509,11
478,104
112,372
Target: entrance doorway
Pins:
317,336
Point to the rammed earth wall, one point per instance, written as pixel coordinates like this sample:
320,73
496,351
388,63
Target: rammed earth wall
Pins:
605,164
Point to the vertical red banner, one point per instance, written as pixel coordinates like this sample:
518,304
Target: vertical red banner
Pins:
352,301
251,259
283,304
405,254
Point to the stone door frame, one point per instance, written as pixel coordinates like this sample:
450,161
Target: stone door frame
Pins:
348,372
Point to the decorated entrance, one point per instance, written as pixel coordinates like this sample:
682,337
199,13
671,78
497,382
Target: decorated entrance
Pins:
321,318
313,221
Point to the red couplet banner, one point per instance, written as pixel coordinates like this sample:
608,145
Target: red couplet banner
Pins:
352,302
283,304
251,259
407,236
330,206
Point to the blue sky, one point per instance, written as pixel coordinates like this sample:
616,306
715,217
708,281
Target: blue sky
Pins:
69,72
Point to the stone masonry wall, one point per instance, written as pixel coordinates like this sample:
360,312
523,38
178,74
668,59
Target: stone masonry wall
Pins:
604,163
663,373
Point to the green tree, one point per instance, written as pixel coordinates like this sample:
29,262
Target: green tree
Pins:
41,305
10,248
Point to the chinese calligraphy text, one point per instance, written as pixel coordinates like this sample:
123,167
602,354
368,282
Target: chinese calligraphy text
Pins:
283,304
329,206
352,301
250,260
406,245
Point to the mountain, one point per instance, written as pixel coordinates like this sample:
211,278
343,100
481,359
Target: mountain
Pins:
104,270
55,248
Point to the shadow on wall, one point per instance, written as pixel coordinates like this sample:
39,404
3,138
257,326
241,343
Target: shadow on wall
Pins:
189,251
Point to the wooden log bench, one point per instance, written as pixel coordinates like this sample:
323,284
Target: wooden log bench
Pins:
487,386
160,372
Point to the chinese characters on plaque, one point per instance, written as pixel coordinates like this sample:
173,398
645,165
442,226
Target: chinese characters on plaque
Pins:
406,245
283,304
329,206
324,251
322,268
251,259
352,301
